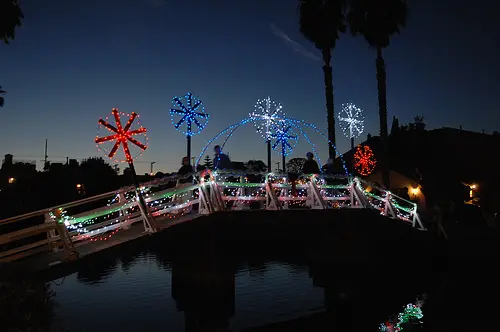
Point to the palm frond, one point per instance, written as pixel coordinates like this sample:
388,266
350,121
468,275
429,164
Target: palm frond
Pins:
322,21
377,20
11,17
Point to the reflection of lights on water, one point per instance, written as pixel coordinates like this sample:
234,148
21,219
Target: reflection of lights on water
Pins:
411,314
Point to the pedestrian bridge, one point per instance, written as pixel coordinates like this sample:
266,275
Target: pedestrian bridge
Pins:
75,229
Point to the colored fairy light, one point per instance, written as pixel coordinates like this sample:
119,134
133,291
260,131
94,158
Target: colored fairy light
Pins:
229,130
267,113
286,138
308,139
351,120
412,313
296,124
364,160
325,136
122,135
188,112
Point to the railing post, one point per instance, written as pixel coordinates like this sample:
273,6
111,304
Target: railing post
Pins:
240,205
272,202
204,206
316,201
147,218
388,209
69,248
51,234
351,191
122,200
416,220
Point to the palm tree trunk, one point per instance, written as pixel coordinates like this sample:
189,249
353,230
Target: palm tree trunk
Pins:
330,115
382,112
2,92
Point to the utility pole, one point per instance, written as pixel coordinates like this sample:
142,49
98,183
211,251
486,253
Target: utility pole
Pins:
278,163
152,163
45,165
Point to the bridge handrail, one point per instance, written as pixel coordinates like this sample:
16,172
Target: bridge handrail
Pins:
86,200
124,220
413,204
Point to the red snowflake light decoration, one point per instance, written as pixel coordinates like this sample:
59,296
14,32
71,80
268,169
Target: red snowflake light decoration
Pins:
364,160
122,135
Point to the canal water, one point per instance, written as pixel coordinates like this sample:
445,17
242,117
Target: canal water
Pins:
197,282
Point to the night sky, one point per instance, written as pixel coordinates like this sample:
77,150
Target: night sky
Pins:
73,61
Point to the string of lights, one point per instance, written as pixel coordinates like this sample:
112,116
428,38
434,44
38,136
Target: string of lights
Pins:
103,223
364,160
191,112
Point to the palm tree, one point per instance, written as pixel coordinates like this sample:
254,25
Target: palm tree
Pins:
321,22
377,21
10,18
2,93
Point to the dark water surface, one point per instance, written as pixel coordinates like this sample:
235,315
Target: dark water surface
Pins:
207,280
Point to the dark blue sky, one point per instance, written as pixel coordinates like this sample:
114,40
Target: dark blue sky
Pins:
73,61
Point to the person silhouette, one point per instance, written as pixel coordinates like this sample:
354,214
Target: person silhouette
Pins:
221,160
310,165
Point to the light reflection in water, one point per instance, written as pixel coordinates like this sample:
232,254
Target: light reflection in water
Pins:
411,314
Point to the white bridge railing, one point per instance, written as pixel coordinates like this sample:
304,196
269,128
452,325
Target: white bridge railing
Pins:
96,218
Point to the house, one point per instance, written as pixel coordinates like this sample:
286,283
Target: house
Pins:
404,181
400,186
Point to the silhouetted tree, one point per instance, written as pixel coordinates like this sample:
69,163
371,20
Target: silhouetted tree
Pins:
395,126
295,165
11,16
98,176
321,22
256,166
419,123
208,162
2,94
377,21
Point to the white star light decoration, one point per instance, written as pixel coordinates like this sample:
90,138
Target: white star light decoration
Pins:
351,120
267,113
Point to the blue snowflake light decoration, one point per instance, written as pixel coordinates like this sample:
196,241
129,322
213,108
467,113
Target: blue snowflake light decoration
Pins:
189,113
285,138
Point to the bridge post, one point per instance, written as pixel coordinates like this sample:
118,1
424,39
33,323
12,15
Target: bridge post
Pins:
51,234
316,201
351,192
416,220
272,202
216,198
147,219
357,196
204,206
239,205
69,248
122,200
388,209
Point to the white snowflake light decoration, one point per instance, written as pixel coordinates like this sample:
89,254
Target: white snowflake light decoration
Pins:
351,120
267,113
